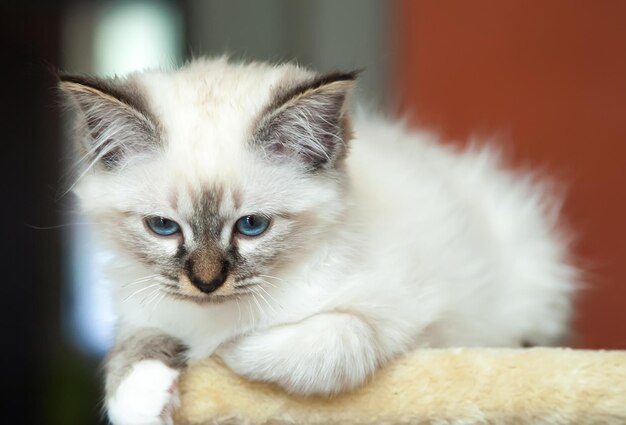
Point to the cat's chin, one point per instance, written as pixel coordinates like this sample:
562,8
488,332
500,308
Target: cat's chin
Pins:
203,299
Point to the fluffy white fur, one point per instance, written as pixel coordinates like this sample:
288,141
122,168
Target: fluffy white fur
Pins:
424,246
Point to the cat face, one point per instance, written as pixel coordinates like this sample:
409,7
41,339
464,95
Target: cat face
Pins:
215,178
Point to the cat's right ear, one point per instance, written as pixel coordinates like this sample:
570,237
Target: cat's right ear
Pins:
309,123
112,124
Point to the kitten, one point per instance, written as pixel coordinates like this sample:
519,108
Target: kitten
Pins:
250,215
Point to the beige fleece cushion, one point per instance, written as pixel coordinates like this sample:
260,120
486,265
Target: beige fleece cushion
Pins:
456,386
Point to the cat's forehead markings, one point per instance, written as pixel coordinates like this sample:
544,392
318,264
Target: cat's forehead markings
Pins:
206,220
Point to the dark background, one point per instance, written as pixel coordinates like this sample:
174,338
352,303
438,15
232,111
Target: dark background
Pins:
549,78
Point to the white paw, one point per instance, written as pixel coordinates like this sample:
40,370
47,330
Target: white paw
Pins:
324,354
147,396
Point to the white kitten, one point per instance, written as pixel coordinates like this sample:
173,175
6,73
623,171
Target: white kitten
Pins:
249,214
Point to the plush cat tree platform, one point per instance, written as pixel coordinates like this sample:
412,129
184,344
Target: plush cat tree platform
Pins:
460,386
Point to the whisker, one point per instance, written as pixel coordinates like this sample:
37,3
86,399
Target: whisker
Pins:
140,280
140,290
265,282
271,277
238,309
258,304
56,226
271,296
150,297
158,301
251,314
126,285
264,299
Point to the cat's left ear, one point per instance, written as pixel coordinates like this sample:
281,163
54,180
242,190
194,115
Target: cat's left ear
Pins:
113,125
309,123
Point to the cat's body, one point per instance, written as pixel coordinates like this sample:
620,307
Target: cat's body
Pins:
391,243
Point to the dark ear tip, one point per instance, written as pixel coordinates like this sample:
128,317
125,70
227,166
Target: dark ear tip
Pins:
344,76
356,72
66,81
63,77
347,75
341,76
75,78
332,77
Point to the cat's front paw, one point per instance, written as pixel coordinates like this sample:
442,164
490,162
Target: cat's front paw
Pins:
323,355
147,396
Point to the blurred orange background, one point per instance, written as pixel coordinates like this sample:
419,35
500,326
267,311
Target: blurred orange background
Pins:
551,78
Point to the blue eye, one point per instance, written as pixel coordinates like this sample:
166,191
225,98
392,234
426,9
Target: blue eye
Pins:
162,226
252,225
